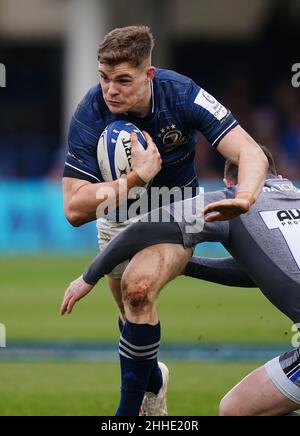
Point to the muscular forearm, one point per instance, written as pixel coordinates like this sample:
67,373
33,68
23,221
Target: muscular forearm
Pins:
83,204
82,199
132,240
238,147
252,170
223,271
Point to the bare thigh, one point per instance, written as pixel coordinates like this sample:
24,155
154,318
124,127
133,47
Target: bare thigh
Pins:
157,264
256,395
146,274
150,269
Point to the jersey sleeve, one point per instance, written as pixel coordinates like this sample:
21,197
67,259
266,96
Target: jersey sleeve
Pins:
207,115
226,271
81,161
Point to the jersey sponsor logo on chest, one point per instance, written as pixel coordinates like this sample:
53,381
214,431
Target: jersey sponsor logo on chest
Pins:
171,137
288,222
289,217
281,218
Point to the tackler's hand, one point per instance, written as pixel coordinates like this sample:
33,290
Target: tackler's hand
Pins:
75,291
228,209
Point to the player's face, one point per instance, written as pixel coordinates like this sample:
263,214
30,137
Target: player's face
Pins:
126,88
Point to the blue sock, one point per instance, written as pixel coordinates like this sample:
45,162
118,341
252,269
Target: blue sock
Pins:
155,379
138,348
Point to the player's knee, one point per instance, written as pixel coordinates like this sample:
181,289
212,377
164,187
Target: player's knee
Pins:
136,294
137,302
131,284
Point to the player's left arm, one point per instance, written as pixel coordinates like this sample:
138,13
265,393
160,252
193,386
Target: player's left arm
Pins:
241,149
225,271
74,292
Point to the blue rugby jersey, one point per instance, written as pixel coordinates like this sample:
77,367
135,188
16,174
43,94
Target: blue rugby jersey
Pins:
180,108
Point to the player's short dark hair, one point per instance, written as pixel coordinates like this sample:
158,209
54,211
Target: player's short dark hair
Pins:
133,44
231,170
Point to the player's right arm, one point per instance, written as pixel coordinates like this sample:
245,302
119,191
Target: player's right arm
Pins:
221,129
82,196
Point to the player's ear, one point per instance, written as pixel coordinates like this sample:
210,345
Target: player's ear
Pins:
150,73
226,182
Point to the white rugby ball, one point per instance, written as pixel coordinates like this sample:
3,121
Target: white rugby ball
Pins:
114,149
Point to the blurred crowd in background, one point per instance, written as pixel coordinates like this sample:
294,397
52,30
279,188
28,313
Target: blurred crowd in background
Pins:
254,80
274,122
251,77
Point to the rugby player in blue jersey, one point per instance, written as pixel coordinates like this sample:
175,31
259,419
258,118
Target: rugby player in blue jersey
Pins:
171,108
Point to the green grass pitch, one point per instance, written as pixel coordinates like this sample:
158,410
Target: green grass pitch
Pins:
92,389
190,311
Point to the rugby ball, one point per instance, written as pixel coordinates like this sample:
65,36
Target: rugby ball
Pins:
114,149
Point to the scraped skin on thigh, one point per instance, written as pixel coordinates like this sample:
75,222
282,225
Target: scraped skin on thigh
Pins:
148,271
